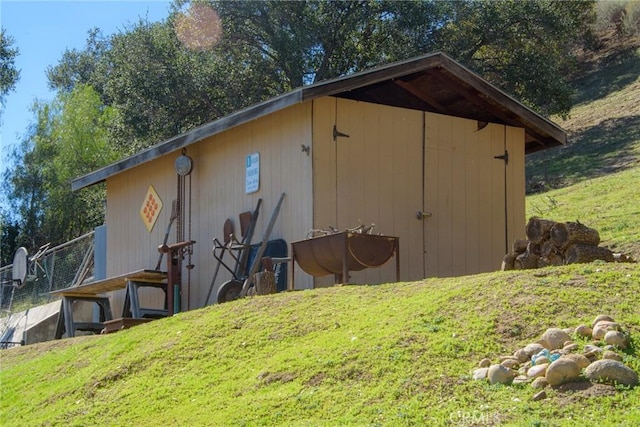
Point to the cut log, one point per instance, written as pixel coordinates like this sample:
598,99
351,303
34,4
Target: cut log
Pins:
526,261
548,249
580,253
537,229
551,259
508,260
563,234
534,248
519,246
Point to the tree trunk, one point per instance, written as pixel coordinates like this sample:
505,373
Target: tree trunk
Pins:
537,229
565,233
580,253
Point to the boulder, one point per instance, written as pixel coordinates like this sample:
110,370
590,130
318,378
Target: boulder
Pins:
601,328
485,363
539,382
521,355
499,374
480,373
533,348
580,359
601,318
555,337
538,370
584,331
612,372
617,338
562,371
611,355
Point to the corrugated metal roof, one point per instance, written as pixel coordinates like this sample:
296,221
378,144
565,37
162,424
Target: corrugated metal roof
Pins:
433,82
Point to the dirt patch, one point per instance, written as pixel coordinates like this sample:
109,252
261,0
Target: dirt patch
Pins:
577,391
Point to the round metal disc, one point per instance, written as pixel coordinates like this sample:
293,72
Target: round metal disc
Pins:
183,164
19,269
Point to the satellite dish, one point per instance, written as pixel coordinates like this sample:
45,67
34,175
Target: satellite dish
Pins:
20,264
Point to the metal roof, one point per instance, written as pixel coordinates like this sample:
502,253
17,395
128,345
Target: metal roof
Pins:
433,82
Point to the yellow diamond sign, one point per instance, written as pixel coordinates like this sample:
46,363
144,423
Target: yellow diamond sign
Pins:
151,207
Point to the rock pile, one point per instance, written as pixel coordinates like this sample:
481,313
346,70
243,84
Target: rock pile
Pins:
556,359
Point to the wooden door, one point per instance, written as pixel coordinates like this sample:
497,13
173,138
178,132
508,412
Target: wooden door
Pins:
465,196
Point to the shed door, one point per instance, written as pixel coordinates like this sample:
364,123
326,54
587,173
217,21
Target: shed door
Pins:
464,199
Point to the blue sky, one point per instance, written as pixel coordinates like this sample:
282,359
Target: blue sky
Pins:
43,30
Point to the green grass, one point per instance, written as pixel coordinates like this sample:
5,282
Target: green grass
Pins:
394,354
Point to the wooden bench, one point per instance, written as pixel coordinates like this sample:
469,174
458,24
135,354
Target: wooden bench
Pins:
93,293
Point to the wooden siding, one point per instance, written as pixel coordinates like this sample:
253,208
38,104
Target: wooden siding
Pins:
373,176
218,193
465,191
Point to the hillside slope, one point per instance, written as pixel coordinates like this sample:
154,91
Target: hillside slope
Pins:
395,354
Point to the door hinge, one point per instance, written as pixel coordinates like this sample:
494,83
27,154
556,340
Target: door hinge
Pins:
337,133
504,157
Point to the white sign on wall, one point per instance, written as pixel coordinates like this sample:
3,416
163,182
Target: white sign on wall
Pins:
252,177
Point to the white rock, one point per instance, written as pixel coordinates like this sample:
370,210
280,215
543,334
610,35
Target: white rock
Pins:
480,373
537,370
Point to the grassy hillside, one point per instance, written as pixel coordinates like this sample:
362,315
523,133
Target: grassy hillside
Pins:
395,354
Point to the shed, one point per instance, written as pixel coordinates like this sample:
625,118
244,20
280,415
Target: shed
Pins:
424,149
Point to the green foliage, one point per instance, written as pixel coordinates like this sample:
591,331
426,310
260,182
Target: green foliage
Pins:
392,354
70,139
524,47
9,75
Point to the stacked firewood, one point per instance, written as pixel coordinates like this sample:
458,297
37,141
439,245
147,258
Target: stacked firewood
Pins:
557,243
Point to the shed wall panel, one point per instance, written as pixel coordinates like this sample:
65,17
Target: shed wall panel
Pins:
217,193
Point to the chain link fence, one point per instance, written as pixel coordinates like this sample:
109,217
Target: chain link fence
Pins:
50,269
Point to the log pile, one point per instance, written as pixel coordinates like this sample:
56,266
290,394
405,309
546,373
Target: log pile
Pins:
557,243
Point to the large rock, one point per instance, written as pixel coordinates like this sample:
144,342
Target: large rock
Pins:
533,348
499,374
617,338
556,338
601,318
580,359
611,371
562,371
601,328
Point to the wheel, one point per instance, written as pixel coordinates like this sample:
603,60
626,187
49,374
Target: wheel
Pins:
229,291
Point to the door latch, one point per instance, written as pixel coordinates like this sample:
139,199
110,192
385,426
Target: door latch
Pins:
504,157
423,215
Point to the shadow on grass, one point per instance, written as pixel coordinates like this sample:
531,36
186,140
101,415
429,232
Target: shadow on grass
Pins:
611,146
597,84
